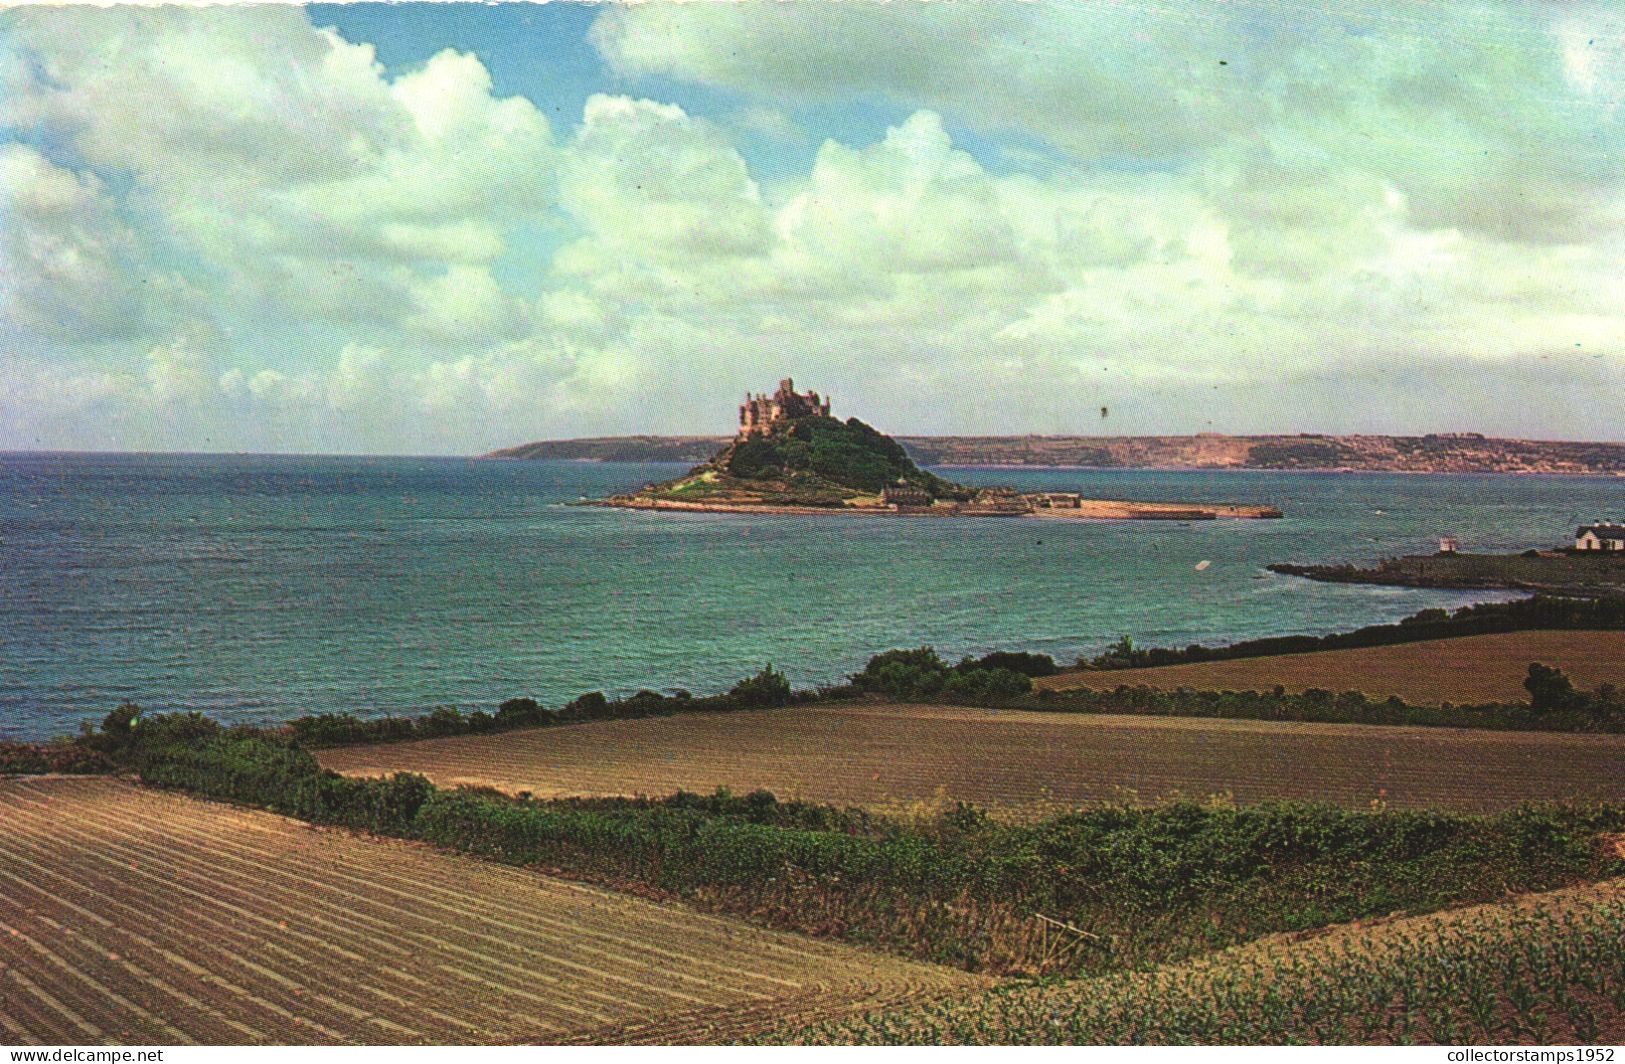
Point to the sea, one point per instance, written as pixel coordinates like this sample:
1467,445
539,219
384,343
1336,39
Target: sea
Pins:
257,588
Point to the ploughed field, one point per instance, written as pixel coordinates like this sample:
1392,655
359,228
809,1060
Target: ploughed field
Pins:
1470,670
1018,763
130,915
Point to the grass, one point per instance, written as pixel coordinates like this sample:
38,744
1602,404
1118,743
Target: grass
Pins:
1469,670
1544,969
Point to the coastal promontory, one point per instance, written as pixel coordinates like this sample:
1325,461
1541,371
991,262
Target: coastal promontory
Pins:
1454,452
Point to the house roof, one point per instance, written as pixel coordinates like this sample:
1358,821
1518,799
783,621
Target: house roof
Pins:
1602,531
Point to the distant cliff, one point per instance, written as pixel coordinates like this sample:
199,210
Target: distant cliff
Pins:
1445,453
691,449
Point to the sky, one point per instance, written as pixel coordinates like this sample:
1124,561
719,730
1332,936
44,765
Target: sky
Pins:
446,228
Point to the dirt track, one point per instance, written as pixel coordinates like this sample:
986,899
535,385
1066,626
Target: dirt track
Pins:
1019,762
137,917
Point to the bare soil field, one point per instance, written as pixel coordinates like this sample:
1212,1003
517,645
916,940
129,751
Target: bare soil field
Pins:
1018,763
138,917
1470,670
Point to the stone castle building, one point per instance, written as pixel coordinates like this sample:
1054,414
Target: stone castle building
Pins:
760,413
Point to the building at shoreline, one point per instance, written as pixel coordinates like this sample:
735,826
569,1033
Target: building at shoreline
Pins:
759,413
905,496
1609,538
1000,501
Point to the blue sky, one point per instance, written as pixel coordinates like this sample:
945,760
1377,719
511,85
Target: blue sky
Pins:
542,51
450,227
539,51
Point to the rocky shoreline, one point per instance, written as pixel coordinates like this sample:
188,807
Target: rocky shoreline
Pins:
1552,572
1087,510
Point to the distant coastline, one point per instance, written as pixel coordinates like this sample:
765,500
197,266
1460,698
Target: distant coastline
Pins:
1439,453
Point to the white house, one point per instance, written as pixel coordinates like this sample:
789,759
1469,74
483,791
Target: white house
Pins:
1600,537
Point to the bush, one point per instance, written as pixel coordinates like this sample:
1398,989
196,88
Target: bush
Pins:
920,675
767,688
1549,689
117,733
38,758
903,674
334,729
256,770
1553,695
1017,661
590,706
1590,713
527,708
1120,655
986,685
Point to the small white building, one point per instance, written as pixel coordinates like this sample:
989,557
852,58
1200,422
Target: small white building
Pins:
1600,537
1449,545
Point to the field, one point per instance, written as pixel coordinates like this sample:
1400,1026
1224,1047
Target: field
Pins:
1470,670
1542,969
134,916
1019,763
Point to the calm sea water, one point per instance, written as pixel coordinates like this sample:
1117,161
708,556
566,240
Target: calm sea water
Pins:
257,588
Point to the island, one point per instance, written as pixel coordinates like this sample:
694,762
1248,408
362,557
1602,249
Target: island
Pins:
791,456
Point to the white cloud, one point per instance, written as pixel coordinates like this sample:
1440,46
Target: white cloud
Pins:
646,179
467,302
1469,108
69,266
276,158
910,204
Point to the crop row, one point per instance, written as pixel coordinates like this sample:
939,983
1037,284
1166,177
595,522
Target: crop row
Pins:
132,916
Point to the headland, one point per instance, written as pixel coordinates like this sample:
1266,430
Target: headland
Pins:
1454,452
1593,565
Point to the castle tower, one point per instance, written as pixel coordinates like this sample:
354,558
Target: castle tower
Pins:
759,413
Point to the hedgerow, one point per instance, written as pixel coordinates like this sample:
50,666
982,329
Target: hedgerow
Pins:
38,758
1554,706
765,690
920,674
1539,612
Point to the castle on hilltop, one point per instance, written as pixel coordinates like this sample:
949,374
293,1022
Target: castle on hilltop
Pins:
760,413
